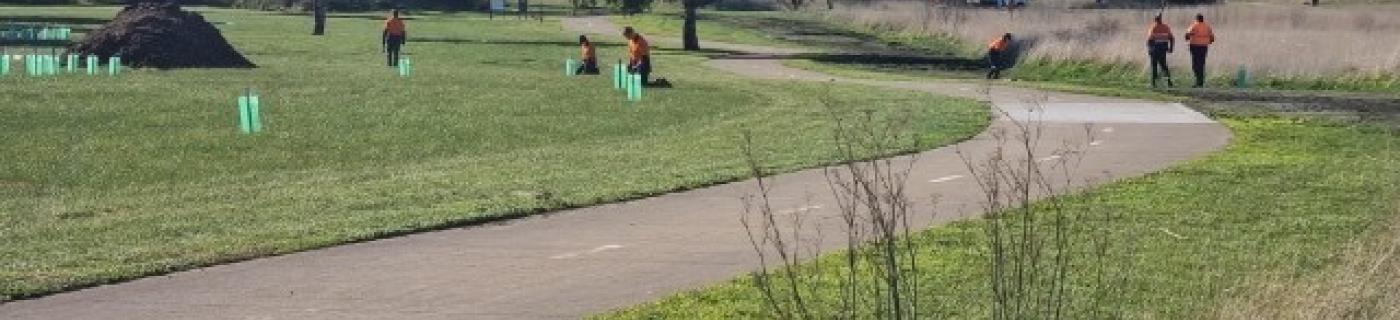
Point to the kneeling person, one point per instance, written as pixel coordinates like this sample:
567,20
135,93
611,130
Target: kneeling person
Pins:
638,54
997,55
589,65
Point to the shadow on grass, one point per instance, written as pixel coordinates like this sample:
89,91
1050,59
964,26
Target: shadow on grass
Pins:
507,42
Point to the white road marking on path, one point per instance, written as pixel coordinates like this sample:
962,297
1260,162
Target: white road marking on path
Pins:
799,210
946,179
1108,129
592,251
1050,158
1096,143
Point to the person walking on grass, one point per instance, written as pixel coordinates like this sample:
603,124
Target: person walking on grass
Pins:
997,56
394,37
1160,42
589,56
638,54
1199,36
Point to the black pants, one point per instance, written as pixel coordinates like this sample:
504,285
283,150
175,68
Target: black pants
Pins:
643,68
587,67
1157,51
392,45
1198,64
995,63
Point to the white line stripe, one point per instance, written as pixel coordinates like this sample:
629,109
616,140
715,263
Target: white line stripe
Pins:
946,179
1050,158
1108,129
592,251
799,210
1095,143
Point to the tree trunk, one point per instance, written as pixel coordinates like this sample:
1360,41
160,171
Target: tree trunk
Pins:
829,5
318,9
523,7
688,36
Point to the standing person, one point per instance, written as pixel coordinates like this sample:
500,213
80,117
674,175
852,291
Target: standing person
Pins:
638,54
1160,42
589,57
395,35
996,56
1200,37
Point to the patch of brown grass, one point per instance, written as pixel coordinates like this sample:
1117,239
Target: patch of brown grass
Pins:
1365,286
1279,40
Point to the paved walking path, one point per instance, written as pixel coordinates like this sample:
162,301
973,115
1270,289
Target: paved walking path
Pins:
578,262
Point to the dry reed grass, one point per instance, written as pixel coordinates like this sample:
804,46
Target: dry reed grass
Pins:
1274,39
1365,286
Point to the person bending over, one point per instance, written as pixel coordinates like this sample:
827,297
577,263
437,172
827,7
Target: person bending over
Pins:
638,54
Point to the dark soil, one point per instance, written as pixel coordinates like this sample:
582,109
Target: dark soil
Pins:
161,35
1342,106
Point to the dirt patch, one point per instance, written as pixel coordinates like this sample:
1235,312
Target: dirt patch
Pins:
1348,107
161,35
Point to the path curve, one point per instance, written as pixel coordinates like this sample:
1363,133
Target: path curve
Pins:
584,261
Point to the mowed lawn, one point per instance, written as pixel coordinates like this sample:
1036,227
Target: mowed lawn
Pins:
1283,205
104,179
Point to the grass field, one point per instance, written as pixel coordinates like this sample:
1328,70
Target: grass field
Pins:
894,29
105,179
1279,204
1273,216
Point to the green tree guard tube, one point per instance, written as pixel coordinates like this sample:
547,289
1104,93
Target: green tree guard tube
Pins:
72,63
5,65
245,121
617,74
640,86
569,67
114,65
254,114
52,64
627,84
91,65
1242,78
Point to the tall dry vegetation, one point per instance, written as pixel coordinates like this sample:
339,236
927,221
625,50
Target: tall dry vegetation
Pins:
1365,286
1277,40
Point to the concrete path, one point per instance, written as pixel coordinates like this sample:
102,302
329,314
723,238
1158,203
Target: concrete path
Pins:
579,262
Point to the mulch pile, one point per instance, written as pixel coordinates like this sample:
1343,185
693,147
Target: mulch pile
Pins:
158,34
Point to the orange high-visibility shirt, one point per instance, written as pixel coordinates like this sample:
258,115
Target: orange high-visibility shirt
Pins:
998,45
1159,32
637,48
394,27
588,54
1200,34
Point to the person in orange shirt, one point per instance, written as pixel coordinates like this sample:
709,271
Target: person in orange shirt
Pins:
1200,37
638,54
589,56
394,37
1160,42
996,56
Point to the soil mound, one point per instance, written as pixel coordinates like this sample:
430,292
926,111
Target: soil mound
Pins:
158,34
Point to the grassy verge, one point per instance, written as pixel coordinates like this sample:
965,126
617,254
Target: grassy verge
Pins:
797,28
1312,188
107,179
